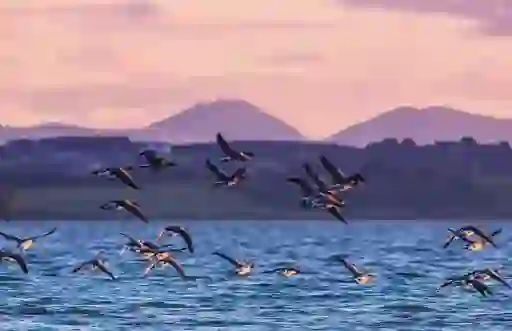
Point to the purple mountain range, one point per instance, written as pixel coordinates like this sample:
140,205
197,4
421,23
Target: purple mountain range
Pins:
241,120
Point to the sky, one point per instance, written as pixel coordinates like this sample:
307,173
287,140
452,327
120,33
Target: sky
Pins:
320,65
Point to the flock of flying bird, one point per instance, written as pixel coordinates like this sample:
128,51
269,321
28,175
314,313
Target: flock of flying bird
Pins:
320,196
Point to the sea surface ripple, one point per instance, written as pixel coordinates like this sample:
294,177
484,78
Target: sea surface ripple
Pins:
406,257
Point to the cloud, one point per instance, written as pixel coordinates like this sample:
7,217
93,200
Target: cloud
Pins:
317,65
495,16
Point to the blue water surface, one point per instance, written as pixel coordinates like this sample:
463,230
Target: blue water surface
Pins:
406,257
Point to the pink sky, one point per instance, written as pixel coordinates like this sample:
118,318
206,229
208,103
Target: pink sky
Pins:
320,65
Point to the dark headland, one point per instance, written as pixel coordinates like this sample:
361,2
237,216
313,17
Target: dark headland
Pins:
50,179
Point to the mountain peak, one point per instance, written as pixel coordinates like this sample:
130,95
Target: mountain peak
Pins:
425,126
237,119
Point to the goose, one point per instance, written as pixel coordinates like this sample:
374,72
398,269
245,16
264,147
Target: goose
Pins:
467,231
242,268
154,161
360,276
178,230
468,281
130,206
120,173
488,273
164,259
328,193
9,256
223,179
230,153
338,177
140,246
98,263
25,243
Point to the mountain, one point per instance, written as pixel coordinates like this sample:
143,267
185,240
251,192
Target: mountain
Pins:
236,119
425,126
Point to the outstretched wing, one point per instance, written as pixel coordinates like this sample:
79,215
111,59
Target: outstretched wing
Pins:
176,266
318,181
306,189
126,178
480,287
227,258
219,173
337,175
19,259
335,211
350,267
449,241
184,234
448,283
224,146
10,237
497,277
131,240
81,266
52,231
104,269
134,209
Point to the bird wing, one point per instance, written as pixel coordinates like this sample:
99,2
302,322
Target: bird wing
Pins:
318,181
449,241
457,234
10,237
219,173
131,240
497,232
480,287
184,234
150,266
227,258
104,269
224,146
306,189
350,267
52,231
134,209
175,265
19,259
335,211
480,233
497,277
81,266
337,175
126,178
448,283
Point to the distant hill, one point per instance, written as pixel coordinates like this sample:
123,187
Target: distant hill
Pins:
236,119
425,126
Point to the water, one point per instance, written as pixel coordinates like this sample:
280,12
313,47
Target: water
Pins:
406,257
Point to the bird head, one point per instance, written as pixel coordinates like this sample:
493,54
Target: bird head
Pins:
358,178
